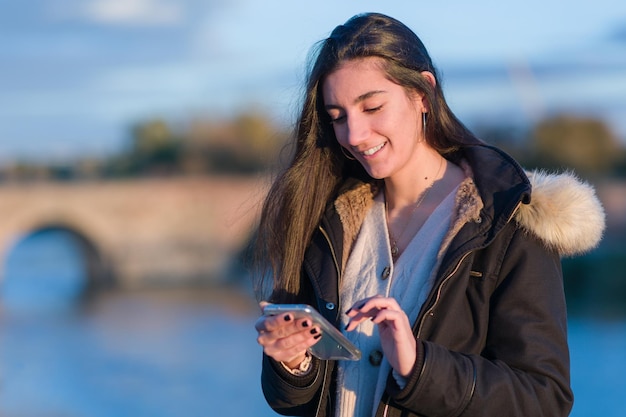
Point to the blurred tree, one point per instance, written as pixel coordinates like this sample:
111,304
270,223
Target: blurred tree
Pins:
155,148
28,171
88,168
585,145
509,138
247,143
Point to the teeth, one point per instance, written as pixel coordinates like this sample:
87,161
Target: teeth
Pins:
373,150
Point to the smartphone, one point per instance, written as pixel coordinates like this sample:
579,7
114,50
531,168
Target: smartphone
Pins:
332,345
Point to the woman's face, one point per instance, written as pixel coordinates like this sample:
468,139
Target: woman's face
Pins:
373,118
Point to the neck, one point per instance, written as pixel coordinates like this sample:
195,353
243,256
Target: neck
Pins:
406,189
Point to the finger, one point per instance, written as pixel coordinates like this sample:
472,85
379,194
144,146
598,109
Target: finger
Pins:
281,339
393,325
281,326
371,308
295,345
272,323
358,318
372,305
305,337
354,322
381,303
392,317
377,301
309,337
361,311
359,305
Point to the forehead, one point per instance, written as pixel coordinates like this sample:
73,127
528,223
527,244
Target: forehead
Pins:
368,63
355,77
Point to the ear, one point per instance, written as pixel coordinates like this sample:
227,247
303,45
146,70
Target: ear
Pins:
430,78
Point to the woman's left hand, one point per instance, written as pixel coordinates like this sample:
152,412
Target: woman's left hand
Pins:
396,335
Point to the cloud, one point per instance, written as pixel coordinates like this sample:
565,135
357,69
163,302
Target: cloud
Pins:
153,13
136,12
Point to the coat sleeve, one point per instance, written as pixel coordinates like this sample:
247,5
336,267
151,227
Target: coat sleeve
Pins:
522,367
289,394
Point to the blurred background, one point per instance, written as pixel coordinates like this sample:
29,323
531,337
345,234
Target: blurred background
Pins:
136,141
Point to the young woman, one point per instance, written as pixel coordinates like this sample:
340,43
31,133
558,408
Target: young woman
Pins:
437,255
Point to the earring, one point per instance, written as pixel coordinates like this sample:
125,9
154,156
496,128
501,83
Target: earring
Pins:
343,151
424,120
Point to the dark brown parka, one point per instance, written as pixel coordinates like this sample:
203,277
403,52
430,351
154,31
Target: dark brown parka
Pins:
492,338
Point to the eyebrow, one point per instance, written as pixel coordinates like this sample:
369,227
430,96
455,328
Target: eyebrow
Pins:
359,99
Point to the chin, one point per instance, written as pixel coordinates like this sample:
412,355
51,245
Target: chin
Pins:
376,174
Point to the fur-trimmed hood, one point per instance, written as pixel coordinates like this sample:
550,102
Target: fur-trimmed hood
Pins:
564,212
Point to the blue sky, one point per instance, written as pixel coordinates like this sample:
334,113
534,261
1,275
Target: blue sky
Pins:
76,74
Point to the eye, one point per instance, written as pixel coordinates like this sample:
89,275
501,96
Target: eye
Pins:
337,119
373,109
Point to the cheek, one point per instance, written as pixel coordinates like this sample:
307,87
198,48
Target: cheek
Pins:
409,127
388,127
340,135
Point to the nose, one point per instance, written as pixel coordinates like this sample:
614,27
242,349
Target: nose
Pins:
357,131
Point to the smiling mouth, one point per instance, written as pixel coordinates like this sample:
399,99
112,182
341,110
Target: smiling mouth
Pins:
373,150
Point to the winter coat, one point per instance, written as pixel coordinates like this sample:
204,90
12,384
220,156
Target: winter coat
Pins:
492,338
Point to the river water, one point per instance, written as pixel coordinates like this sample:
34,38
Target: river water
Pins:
181,353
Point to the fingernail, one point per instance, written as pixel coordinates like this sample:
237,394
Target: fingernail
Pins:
347,325
317,336
305,324
287,317
349,310
313,331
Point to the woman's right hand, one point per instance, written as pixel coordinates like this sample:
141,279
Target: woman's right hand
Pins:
285,339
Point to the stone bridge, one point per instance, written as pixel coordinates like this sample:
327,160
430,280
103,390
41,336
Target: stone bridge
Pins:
166,232
140,233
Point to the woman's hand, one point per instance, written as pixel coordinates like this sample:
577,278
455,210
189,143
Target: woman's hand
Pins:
396,335
285,339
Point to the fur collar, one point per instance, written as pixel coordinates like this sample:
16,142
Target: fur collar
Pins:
564,212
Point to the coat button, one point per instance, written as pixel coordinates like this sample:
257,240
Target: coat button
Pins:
386,272
376,357
330,306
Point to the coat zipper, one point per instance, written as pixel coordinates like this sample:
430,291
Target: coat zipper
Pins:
319,403
519,203
334,255
438,297
456,268
426,314
439,289
421,322
332,251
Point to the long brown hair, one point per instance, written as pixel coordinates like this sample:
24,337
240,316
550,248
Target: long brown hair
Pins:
298,197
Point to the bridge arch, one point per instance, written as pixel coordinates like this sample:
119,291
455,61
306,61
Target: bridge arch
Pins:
98,272
145,232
